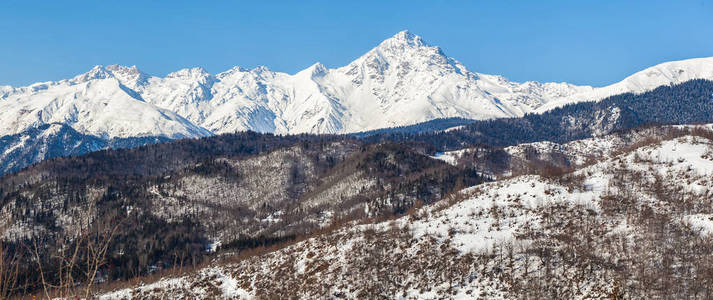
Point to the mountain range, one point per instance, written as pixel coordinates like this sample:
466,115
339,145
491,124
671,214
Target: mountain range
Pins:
402,81
411,178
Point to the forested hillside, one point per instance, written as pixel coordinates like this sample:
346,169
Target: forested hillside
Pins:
174,204
425,127
635,223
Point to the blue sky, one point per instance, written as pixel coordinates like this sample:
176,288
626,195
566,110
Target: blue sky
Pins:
583,42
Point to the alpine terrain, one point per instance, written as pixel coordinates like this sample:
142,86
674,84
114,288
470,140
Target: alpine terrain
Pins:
402,175
402,81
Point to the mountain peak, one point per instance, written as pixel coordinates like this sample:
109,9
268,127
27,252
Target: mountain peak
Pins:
232,71
128,75
404,50
122,73
261,69
317,69
404,38
97,72
405,34
122,69
189,73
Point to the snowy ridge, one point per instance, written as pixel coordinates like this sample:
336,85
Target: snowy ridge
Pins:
673,72
377,90
96,103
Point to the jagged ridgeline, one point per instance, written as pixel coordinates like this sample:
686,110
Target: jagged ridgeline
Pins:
174,203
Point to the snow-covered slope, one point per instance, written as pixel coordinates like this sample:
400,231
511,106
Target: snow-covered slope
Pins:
96,103
524,158
673,72
594,233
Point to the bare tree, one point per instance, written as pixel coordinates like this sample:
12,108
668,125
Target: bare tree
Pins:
97,245
9,270
82,253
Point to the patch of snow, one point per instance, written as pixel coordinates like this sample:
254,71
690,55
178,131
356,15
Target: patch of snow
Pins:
700,222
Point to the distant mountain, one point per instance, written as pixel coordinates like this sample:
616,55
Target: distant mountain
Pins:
43,142
401,82
55,140
97,103
668,73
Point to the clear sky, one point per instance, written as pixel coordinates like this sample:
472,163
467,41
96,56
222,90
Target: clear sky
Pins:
584,42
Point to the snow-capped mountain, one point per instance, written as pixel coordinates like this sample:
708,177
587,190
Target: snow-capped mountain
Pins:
401,81
97,103
43,142
55,140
